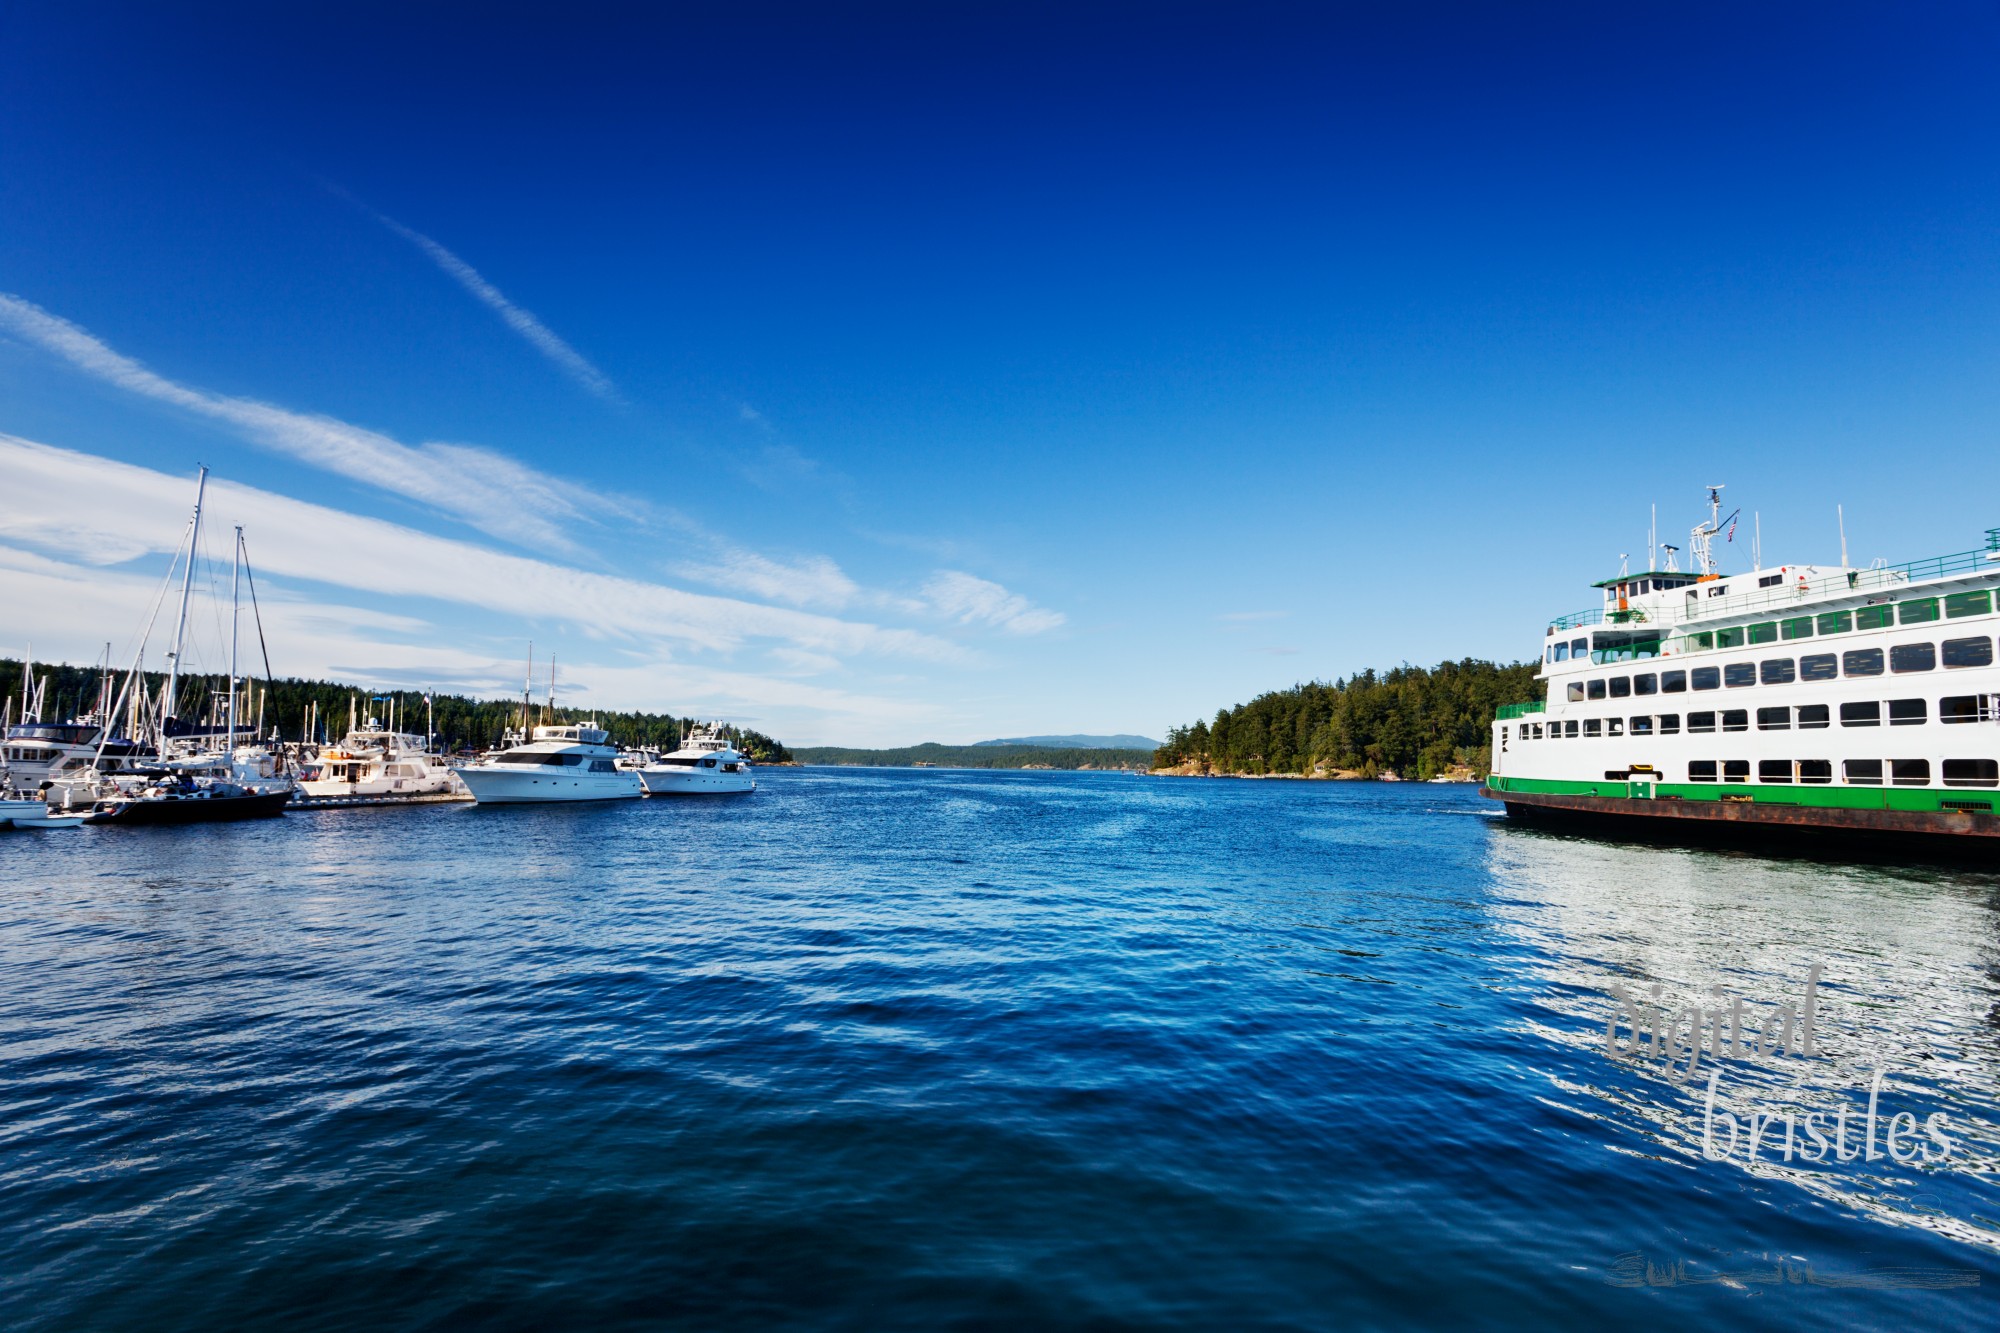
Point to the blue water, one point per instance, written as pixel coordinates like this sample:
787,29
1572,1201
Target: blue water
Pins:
903,1049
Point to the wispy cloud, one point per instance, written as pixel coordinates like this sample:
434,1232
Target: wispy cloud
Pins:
538,335
810,581
476,486
970,600
327,546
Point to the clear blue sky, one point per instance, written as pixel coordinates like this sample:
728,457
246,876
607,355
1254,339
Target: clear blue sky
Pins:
874,374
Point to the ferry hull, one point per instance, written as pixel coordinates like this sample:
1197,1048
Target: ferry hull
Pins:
1753,821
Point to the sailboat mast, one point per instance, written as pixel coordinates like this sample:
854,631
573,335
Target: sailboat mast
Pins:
187,585
235,621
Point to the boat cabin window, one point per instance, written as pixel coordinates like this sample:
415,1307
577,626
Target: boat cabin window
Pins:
1738,674
1968,652
1863,772
1700,722
1971,773
1701,770
1815,770
1774,770
1614,726
1736,770
1569,730
1673,682
1770,580
1835,622
1814,715
1578,647
1907,712
1559,652
1646,684
1719,590
1864,714
1907,657
1736,719
1861,662
1968,604
1819,666
1917,612
1621,687
1593,726
1670,724
1576,691
1596,689
1729,638
1910,772
1774,719
1875,617
1775,671
1966,708
1706,678
1801,628
1642,726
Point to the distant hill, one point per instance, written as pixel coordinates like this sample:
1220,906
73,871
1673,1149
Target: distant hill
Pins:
1079,742
931,754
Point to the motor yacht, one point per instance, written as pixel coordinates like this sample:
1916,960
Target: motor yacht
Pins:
571,762
706,764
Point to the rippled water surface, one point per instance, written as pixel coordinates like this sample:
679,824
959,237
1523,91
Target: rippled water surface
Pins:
878,1049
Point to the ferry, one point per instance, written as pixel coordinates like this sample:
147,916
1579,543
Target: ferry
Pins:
1811,698
573,762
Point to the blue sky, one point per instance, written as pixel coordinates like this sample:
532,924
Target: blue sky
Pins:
873,374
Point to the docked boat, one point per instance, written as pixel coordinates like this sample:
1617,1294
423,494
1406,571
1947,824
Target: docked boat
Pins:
706,764
373,762
1801,697
168,797
571,762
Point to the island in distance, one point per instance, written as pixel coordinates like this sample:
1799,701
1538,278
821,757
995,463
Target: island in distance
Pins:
1079,742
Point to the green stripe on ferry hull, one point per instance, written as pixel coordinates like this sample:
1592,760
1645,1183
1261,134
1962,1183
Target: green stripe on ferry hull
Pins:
1919,800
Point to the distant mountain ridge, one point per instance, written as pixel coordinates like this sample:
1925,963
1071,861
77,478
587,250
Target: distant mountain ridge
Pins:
1079,742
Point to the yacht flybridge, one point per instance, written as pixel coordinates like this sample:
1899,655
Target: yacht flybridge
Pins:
1801,696
573,762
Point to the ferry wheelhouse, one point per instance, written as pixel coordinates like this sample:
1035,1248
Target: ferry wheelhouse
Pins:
1804,696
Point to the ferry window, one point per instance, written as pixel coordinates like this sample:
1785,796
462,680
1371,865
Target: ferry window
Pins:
1719,590
1774,719
1815,770
1800,628
1576,691
1767,632
1646,684
1621,687
1905,657
1874,617
1864,771
1736,719
1559,653
1968,652
1673,682
1770,580
1614,726
1910,772
1861,714
1836,622
1972,773
1704,640
1670,724
1736,770
1701,770
1917,612
1738,674
1907,712
1774,770
1968,604
1775,671
1707,678
1578,647
1965,708
1729,638
1569,730
1861,662
1642,726
1593,726
1698,722
1814,715
1597,689
1819,666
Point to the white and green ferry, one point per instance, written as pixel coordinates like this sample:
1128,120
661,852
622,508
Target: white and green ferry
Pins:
1818,697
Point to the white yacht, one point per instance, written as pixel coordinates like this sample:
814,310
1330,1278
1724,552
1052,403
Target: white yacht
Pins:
375,762
705,765
574,762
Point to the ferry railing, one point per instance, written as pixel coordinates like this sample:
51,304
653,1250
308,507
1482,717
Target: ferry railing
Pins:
1851,581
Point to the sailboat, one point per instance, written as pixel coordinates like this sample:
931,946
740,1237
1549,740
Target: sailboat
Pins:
194,782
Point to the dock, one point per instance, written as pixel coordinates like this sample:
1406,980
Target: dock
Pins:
303,802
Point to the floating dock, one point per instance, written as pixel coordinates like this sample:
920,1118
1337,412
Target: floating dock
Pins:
352,802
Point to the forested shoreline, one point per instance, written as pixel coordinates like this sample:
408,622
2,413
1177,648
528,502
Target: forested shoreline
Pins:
1412,722
459,720
977,756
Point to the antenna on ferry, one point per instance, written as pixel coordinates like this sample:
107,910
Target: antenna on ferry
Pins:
1757,540
1672,551
1652,537
1624,564
1841,516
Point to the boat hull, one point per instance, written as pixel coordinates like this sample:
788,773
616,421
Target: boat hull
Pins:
192,809
676,781
15,812
1768,822
528,784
